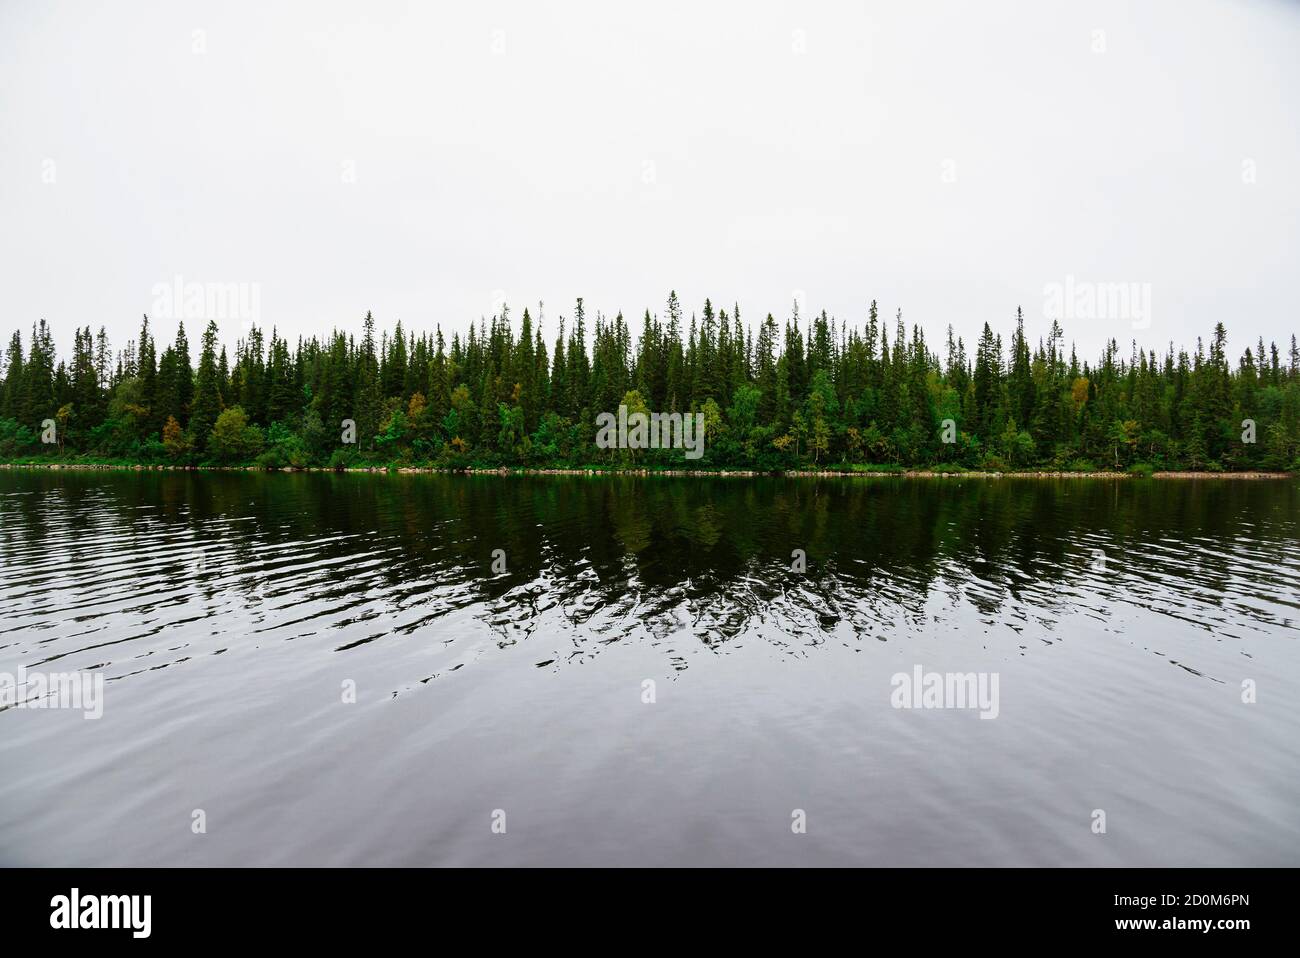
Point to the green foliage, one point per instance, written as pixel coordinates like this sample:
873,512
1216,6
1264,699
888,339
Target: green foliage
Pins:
872,467
793,395
344,457
284,449
16,439
233,438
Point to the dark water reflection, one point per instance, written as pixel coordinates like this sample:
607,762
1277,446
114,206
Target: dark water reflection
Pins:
226,611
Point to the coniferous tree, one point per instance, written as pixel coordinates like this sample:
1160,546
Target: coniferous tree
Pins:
207,403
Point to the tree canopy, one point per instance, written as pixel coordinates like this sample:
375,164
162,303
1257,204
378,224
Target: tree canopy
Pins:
778,395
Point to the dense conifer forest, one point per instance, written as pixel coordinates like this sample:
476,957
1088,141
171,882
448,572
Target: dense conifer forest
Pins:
776,396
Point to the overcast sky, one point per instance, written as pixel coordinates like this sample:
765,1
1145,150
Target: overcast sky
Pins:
951,159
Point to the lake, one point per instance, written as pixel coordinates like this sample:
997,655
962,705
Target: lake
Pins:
355,669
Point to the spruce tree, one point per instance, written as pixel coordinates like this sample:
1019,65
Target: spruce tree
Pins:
207,404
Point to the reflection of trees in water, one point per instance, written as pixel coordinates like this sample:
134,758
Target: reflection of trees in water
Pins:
603,547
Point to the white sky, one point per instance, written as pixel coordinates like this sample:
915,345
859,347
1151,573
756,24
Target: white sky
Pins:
740,151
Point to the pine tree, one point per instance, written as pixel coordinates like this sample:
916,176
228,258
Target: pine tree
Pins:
13,400
207,403
38,378
370,396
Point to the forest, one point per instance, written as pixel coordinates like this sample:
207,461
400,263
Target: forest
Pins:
780,396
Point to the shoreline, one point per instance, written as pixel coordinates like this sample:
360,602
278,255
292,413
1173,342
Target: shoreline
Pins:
650,473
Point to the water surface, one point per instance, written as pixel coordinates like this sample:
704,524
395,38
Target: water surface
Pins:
230,613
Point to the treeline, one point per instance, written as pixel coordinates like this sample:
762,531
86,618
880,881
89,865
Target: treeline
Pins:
776,396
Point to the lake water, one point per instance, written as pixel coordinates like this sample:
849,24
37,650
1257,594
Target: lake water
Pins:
231,615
